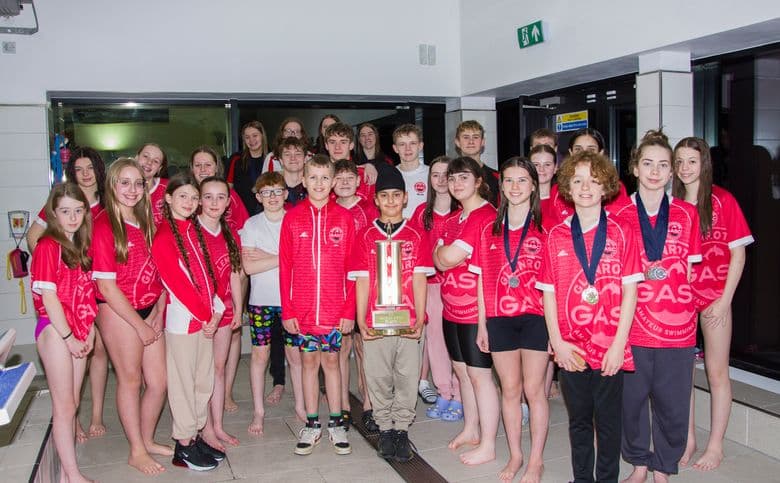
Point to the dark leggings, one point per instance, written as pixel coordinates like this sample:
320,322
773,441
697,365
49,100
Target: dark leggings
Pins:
277,355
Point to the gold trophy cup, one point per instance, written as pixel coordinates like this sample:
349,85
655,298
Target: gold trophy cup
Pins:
393,318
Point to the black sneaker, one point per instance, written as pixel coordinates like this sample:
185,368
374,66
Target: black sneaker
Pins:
346,419
206,448
386,446
403,447
368,421
191,457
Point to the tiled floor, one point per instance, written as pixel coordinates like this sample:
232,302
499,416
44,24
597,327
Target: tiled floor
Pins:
270,458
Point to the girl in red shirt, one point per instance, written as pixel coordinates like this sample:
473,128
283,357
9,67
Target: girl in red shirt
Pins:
154,163
205,163
431,218
130,309
88,170
221,242
663,332
725,234
64,299
511,318
191,318
459,296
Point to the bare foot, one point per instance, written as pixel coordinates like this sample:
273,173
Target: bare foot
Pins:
709,460
275,395
145,464
690,449
533,474
226,437
158,449
639,475
78,478
211,439
230,405
478,455
554,391
300,413
256,426
511,469
96,430
463,438
81,436
659,477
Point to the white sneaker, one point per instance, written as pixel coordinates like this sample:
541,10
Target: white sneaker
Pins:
426,391
308,438
525,414
338,437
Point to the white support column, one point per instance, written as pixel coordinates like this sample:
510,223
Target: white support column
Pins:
664,94
480,109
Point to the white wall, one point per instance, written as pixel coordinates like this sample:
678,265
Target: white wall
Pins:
305,47
584,33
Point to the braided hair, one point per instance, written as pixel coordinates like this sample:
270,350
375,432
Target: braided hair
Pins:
176,182
204,249
233,250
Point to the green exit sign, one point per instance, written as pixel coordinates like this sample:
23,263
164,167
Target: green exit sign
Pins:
530,34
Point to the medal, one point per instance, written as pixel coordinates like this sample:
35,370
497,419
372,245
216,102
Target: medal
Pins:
590,295
514,282
654,237
656,272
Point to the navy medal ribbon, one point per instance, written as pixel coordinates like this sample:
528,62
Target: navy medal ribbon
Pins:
599,243
513,260
653,238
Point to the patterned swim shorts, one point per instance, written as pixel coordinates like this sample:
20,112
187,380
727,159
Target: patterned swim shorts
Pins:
325,343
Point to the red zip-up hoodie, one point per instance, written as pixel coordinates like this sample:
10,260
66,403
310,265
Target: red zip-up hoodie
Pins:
314,249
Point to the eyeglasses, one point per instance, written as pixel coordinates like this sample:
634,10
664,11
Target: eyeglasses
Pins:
269,193
126,183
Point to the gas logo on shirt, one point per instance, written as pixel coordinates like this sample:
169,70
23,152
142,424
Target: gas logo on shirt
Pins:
464,280
419,187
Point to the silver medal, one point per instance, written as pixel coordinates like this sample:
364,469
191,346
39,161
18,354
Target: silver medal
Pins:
514,282
590,295
656,273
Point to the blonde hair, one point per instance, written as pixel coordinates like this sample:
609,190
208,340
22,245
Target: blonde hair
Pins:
142,210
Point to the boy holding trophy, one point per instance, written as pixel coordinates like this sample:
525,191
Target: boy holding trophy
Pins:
392,263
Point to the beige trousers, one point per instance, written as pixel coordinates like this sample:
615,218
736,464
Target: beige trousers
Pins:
190,362
392,367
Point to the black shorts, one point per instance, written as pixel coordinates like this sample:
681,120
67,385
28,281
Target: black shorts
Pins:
527,331
143,313
461,342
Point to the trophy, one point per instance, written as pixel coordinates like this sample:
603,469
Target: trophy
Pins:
392,316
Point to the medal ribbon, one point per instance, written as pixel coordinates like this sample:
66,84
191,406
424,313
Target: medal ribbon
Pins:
599,242
513,261
653,238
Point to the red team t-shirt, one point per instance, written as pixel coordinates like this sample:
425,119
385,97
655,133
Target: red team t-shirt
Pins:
137,278
157,198
729,230
491,262
74,287
363,212
459,287
590,327
437,226
236,214
665,314
220,261
416,257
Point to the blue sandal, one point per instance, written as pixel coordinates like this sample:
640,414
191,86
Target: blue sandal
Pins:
439,408
454,412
